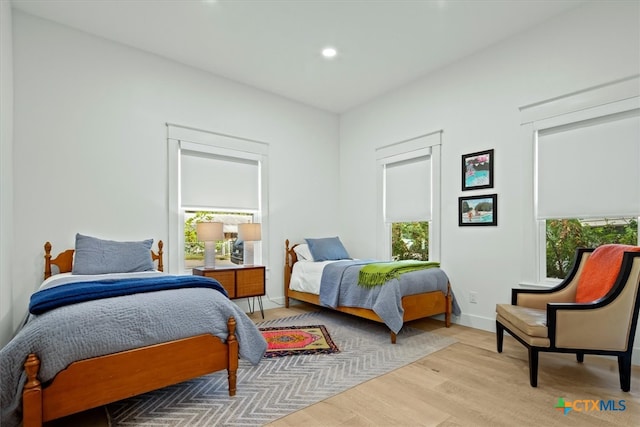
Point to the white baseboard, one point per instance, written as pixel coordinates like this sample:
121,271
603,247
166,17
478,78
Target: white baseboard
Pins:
476,322
277,302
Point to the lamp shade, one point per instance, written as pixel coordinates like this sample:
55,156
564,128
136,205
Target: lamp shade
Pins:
209,231
249,232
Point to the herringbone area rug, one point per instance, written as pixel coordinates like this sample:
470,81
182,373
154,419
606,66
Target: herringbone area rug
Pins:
279,386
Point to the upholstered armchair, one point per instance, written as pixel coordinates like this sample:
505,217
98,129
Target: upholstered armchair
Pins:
593,311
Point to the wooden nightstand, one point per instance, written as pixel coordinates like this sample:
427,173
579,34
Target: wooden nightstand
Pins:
242,281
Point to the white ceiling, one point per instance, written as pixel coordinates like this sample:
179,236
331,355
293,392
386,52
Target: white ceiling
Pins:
275,45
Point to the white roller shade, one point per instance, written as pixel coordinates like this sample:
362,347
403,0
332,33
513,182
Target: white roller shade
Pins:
590,169
209,181
407,190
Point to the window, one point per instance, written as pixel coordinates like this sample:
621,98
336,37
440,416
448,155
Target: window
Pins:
585,167
410,240
218,181
228,251
564,236
409,189
587,182
213,177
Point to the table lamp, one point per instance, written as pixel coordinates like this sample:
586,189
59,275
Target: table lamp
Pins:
209,233
249,233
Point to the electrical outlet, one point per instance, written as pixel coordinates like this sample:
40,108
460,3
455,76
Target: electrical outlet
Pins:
473,297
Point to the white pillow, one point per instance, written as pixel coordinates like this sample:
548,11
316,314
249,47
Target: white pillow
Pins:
303,252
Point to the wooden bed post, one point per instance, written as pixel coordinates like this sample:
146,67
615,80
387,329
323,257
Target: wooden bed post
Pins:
47,260
159,256
32,394
448,306
232,343
64,261
288,265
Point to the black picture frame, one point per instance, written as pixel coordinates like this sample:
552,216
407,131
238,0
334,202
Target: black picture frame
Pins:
469,215
477,170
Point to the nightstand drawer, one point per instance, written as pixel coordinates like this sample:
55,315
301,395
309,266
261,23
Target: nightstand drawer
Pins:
227,279
250,282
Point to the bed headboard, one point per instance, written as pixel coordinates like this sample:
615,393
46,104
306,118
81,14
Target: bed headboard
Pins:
64,260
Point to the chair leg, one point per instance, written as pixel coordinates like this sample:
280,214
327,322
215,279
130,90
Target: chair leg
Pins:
580,357
499,336
624,366
533,367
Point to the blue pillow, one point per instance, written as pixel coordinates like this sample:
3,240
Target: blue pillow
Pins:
97,256
327,249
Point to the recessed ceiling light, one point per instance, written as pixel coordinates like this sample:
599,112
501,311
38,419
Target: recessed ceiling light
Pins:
329,52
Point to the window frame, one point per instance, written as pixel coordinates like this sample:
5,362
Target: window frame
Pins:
413,148
614,97
208,142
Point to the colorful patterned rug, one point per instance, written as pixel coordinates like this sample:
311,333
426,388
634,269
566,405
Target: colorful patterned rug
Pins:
293,340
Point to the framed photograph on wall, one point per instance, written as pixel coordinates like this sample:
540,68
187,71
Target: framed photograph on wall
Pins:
478,210
477,170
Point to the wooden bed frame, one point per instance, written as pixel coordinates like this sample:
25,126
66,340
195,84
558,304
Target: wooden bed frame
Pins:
94,382
416,306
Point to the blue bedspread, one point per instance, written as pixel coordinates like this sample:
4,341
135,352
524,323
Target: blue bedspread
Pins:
339,287
72,293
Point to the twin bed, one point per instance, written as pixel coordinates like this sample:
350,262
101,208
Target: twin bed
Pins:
414,295
89,354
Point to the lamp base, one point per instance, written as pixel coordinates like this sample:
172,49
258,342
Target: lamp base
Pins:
248,253
209,254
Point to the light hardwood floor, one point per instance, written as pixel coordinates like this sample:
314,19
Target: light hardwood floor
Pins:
465,384
470,384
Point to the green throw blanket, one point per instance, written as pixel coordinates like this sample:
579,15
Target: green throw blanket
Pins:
379,273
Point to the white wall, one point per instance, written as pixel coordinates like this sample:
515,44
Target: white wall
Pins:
475,102
90,151
6,171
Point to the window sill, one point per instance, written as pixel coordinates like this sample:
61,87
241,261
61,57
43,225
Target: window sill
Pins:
543,285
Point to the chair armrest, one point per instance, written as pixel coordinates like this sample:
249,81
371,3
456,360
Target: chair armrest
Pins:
603,325
539,298
565,291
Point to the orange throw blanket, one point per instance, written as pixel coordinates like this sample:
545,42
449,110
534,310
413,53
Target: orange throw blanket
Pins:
600,271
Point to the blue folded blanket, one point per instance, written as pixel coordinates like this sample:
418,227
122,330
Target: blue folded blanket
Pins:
72,293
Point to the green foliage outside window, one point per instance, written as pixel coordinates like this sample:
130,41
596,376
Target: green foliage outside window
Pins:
564,236
193,248
410,240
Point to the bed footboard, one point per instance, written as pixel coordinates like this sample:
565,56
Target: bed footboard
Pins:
101,380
